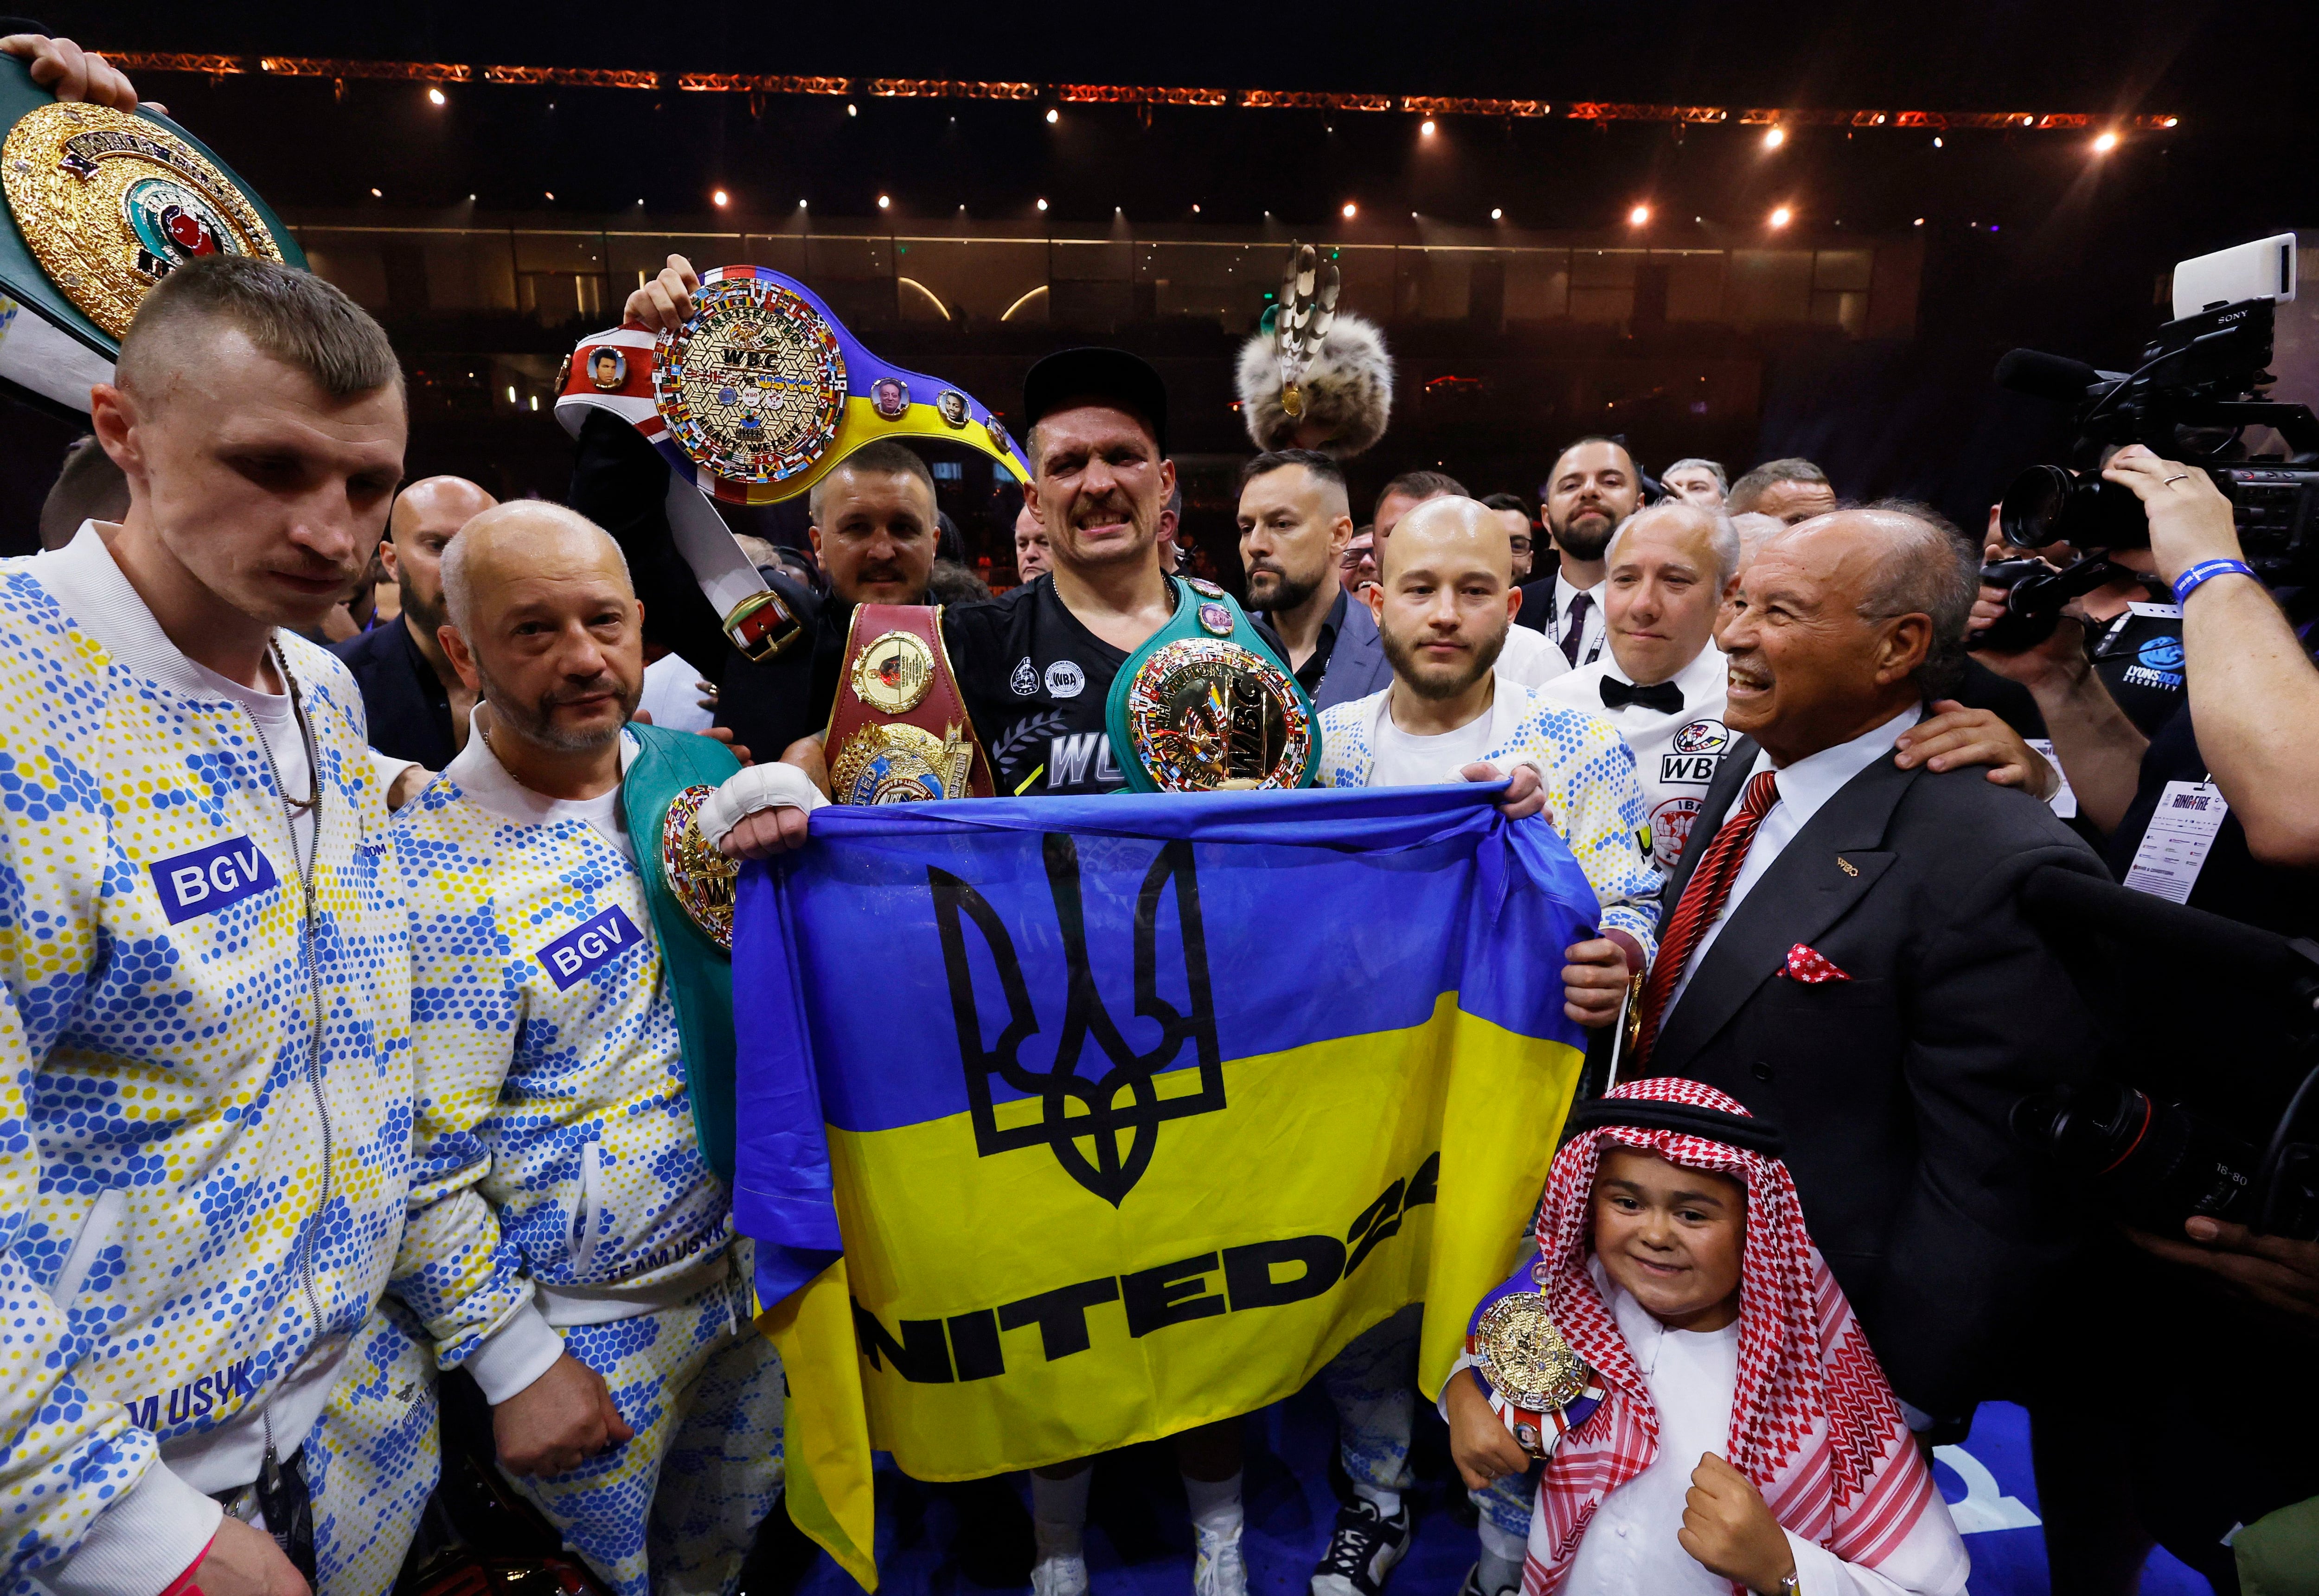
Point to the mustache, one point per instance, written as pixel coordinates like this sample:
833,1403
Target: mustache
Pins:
1107,510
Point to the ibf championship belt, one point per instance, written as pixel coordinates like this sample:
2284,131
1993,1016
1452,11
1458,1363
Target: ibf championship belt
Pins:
100,205
1537,1383
756,398
899,733
1207,706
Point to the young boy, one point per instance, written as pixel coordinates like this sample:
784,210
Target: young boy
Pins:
1709,1412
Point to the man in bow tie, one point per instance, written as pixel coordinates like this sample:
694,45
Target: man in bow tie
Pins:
1660,683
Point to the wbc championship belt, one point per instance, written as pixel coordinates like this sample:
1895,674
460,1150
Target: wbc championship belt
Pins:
1205,705
757,397
96,206
1535,1382
900,733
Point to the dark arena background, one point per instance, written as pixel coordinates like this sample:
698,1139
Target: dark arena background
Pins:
1741,231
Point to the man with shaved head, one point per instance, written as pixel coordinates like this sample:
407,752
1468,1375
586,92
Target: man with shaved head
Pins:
418,705
1845,952
1661,683
1445,604
567,1239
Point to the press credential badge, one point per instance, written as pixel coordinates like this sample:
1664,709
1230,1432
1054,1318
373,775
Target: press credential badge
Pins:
2181,834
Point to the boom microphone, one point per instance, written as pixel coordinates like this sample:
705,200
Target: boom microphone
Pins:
2041,375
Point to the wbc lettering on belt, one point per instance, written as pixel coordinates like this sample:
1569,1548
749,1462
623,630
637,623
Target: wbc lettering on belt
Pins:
587,946
210,878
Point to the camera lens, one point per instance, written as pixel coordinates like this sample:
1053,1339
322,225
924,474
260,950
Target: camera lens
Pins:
2031,513
2049,504
2152,1159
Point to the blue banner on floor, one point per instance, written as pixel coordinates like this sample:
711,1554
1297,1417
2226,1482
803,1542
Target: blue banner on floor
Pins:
948,1538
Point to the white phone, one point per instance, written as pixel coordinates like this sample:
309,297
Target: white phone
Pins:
2264,269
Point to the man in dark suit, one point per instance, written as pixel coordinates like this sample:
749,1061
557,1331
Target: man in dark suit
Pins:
416,705
1295,524
1843,952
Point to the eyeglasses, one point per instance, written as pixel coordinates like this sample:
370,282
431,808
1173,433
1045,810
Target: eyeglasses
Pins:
1353,558
1522,545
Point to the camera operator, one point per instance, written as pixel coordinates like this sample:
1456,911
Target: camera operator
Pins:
2241,743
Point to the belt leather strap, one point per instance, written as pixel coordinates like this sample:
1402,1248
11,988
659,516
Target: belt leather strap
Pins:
899,732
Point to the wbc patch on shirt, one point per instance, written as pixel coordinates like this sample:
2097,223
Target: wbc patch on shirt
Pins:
589,946
210,878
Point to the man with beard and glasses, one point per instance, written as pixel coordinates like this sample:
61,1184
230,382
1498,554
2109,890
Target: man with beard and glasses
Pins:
1444,606
1593,487
567,1239
1294,525
416,704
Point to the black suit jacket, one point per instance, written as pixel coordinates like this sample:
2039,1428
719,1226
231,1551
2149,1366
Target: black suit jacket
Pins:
409,710
1357,664
1893,1087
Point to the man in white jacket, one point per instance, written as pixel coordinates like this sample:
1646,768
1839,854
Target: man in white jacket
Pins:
204,1061
569,1245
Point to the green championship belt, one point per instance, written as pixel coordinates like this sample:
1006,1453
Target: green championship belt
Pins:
689,889
100,205
1205,705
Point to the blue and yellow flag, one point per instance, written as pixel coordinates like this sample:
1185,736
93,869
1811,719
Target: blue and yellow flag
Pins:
1126,1113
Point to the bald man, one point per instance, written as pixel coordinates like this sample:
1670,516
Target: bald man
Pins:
568,1244
1445,604
416,704
1661,683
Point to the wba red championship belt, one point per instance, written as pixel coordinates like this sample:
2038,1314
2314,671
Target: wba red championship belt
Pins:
900,733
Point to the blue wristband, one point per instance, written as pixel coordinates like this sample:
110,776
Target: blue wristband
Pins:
2205,572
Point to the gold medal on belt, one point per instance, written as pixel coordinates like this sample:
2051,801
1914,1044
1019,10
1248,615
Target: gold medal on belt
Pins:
700,877
1524,1357
110,203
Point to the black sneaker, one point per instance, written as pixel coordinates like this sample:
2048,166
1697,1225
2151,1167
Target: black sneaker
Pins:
1473,1586
1362,1551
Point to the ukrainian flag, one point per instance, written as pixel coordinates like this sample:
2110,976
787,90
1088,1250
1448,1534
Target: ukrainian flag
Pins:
1067,1123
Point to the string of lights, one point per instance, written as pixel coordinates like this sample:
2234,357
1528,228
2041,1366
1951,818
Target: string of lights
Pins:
436,73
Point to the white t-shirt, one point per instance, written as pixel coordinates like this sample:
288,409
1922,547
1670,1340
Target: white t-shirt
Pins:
88,585
672,695
1405,761
1676,751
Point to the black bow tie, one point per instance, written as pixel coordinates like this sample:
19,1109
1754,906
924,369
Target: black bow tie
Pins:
1665,696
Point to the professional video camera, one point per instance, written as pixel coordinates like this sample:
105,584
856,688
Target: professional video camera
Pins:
2237,1154
2198,386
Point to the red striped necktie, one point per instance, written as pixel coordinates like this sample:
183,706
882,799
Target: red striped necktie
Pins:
1703,897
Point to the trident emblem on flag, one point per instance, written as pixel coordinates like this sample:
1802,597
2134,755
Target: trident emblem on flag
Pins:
1104,1128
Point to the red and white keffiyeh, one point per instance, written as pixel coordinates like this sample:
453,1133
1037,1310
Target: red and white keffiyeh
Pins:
1814,1424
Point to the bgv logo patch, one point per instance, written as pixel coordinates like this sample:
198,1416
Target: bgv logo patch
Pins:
210,878
587,946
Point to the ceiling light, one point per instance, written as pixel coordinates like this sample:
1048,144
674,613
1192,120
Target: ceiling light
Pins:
1776,136
2105,143
1918,223
1782,216
1195,207
435,96
549,192
1426,127
885,201
1349,210
852,111
471,200
376,196
1639,215
800,204
1042,204
722,198
1053,116
2170,121
510,393
1936,143
1497,214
